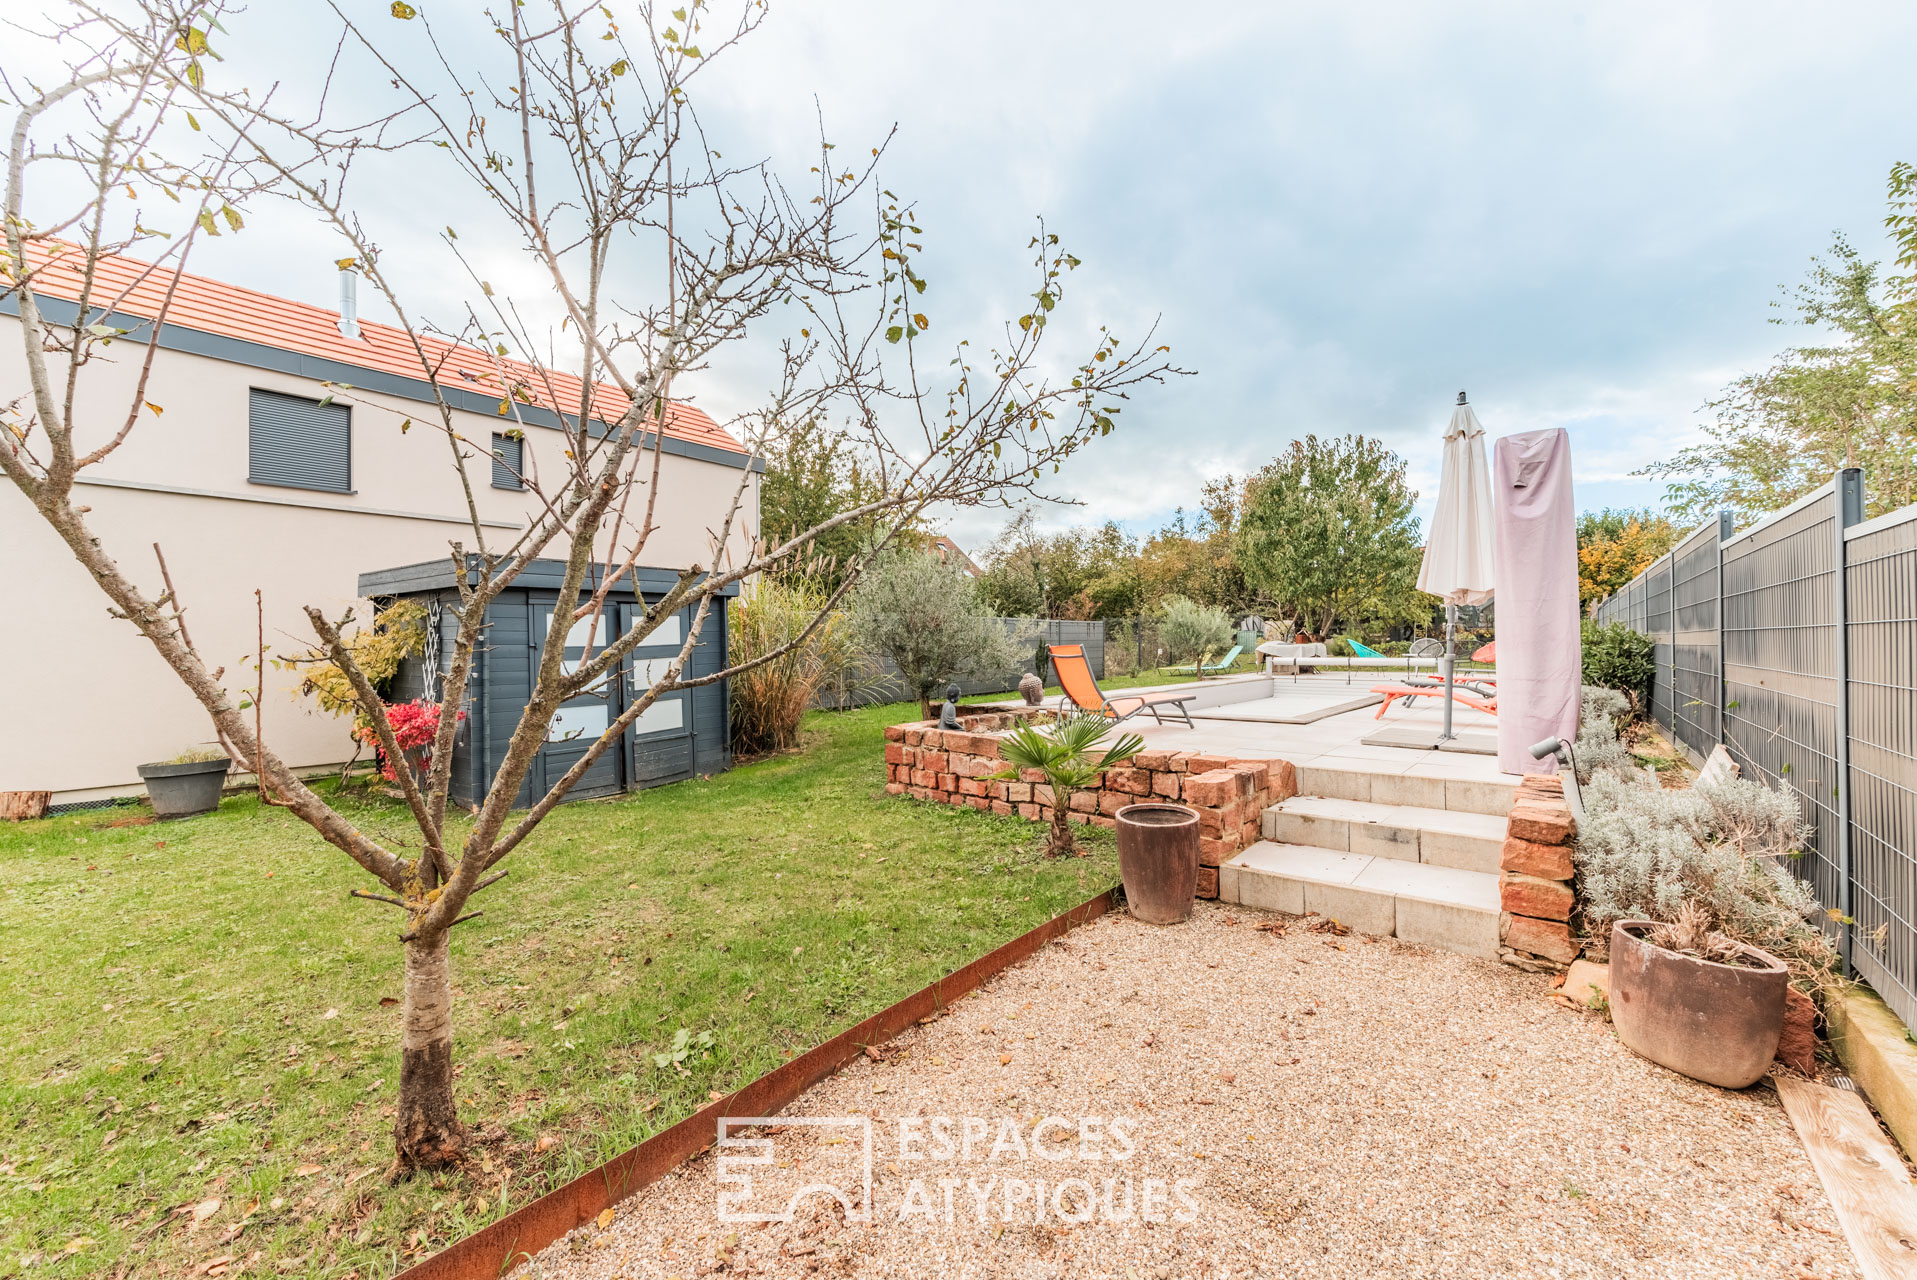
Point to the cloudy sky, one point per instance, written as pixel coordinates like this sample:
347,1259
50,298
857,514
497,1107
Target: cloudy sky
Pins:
1339,215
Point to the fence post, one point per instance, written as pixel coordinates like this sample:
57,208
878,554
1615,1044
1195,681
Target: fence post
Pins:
1849,487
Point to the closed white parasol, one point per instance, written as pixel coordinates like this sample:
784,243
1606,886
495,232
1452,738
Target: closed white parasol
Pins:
1459,559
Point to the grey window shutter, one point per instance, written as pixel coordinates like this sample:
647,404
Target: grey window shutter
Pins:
509,462
299,443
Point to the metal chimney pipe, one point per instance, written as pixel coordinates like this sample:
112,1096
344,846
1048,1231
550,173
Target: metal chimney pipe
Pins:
349,297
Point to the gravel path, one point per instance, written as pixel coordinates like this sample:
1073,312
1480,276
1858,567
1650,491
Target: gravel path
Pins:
1336,1107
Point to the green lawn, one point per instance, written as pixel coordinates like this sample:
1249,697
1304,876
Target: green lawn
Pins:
196,1011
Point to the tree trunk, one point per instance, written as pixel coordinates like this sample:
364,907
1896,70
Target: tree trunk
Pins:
1061,841
427,1134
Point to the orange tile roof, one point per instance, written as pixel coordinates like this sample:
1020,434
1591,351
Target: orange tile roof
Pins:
213,306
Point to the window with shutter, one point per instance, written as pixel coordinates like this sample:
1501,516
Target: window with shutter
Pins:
297,443
509,462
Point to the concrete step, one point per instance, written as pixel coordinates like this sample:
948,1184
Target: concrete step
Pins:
1411,833
1456,795
1438,906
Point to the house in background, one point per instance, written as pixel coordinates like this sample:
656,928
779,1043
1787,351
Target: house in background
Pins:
951,553
298,448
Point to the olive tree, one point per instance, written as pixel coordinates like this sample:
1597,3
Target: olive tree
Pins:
572,133
928,618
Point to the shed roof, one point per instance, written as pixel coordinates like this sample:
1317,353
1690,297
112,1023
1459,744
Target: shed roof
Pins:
538,575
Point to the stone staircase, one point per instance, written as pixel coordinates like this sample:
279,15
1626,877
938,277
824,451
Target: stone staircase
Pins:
1388,855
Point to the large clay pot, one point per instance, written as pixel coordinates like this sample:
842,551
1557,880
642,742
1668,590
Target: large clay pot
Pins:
1158,859
1718,1023
184,790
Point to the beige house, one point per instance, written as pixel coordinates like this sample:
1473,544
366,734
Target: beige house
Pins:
248,480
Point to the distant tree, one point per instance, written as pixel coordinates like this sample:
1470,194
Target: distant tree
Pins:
926,616
1087,572
1196,555
1326,529
812,475
1615,546
1193,632
1848,400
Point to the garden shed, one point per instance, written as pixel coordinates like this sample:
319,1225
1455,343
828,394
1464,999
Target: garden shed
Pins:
683,735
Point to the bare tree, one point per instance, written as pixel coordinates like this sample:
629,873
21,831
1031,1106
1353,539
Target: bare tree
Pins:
577,130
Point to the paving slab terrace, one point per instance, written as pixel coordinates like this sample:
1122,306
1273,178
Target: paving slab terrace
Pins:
1292,1104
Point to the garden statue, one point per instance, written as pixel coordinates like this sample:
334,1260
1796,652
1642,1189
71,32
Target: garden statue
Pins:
1031,689
948,714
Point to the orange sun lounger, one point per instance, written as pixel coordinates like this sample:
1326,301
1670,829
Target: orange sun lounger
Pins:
1075,677
1393,692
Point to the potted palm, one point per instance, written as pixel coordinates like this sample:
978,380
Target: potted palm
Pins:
1064,754
186,785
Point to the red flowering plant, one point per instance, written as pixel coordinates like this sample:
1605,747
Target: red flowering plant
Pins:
415,724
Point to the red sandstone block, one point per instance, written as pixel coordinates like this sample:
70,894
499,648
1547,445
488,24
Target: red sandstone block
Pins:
971,787
1018,792
1099,819
1166,785
1260,772
976,766
1248,833
1543,784
1204,764
1031,775
924,778
1529,896
895,733
895,752
936,761
1042,794
1137,782
920,793
1155,761
914,734
1180,762
1540,823
1548,938
1283,783
1084,801
1208,882
1212,852
978,802
1212,789
1220,822
948,782
1545,861
894,788
1003,807
1110,802
1028,811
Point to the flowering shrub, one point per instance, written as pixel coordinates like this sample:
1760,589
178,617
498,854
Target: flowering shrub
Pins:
414,726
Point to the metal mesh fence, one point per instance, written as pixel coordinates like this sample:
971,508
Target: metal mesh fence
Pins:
1657,625
1881,632
1696,691
1781,672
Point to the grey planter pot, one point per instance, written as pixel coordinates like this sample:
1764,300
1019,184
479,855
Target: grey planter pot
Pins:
183,790
1719,1023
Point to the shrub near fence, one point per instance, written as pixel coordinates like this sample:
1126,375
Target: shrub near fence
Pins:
1794,643
885,685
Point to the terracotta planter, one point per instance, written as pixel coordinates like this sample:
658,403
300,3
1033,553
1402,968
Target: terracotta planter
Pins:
1158,859
183,790
1718,1023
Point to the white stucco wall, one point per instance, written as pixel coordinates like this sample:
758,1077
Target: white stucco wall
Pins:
83,698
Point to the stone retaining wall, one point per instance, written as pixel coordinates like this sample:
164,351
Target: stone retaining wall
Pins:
1535,886
954,766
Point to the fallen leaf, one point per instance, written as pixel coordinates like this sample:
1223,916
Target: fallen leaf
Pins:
306,1171
879,1088
1004,1059
387,1002
546,1142
206,1209
872,1052
1226,1077
329,1015
604,1219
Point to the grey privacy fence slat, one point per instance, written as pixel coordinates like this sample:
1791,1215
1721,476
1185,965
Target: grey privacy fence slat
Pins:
1881,633
1696,675
1657,625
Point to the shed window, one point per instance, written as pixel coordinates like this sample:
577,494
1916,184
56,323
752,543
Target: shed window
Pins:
298,443
509,461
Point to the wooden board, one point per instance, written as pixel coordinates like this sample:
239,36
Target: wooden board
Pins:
1862,1173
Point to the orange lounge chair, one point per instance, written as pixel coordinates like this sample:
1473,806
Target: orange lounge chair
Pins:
1393,692
1075,677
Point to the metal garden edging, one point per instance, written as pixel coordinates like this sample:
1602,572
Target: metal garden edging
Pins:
495,1249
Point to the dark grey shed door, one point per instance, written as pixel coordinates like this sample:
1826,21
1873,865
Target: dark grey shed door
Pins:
298,443
661,740
582,720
